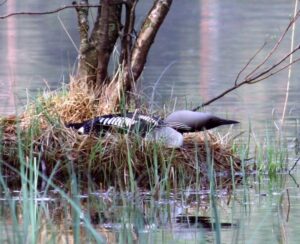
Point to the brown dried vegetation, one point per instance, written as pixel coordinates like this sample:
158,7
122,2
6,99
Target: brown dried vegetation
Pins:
106,161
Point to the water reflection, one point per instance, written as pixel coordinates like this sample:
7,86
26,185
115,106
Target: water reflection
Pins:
11,58
180,216
244,215
208,51
39,52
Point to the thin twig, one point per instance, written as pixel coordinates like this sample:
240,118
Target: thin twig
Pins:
293,178
48,12
3,2
219,96
294,165
75,5
277,71
275,46
249,61
250,79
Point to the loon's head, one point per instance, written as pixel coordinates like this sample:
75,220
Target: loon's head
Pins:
190,121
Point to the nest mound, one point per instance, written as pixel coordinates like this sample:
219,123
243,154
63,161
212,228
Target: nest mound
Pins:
119,160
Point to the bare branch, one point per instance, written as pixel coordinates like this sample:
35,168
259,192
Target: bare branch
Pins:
261,76
219,96
254,77
249,62
147,35
47,12
249,79
3,2
74,5
276,44
277,71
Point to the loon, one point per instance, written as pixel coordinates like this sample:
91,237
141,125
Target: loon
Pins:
169,130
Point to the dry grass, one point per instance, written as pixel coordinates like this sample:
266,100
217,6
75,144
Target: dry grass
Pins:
106,161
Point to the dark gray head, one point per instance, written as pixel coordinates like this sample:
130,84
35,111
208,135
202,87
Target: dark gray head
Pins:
189,121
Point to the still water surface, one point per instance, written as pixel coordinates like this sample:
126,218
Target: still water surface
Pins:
206,43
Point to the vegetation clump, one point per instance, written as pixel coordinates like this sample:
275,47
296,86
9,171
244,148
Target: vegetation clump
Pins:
119,160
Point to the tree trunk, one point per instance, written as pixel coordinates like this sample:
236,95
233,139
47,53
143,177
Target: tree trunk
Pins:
107,33
96,51
87,52
146,37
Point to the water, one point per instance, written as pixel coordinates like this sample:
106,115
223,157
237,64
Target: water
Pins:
263,212
206,43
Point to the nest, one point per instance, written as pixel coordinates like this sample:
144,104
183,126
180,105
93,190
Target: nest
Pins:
118,160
